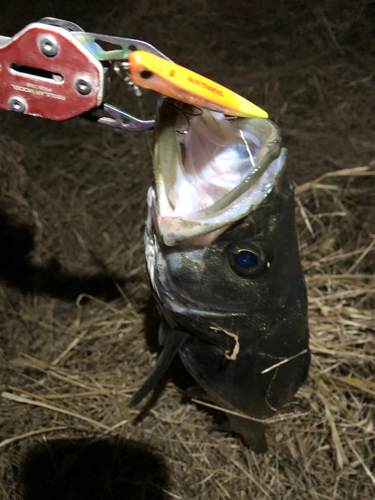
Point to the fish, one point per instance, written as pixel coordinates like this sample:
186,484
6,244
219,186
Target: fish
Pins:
223,261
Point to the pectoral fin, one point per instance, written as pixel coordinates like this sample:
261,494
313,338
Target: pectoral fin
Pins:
174,343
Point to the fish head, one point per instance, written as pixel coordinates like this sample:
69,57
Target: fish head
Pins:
222,257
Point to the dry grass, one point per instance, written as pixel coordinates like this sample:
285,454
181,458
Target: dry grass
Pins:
72,317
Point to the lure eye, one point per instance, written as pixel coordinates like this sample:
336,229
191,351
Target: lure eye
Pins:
146,74
247,260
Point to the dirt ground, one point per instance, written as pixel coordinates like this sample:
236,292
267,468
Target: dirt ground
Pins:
76,304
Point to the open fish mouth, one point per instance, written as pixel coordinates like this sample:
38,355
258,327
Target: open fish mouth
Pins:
210,171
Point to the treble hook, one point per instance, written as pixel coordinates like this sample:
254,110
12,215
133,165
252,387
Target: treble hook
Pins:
187,110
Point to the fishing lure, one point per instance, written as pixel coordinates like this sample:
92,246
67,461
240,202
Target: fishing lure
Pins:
152,72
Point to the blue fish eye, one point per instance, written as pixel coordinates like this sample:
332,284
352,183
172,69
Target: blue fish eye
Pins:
246,260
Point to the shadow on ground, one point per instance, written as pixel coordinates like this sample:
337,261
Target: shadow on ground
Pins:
110,469
18,271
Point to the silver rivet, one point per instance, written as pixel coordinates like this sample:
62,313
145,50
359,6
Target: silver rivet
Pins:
48,46
16,104
83,86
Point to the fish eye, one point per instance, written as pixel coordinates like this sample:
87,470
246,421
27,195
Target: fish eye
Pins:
247,260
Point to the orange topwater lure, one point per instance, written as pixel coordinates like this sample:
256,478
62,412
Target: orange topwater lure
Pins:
152,72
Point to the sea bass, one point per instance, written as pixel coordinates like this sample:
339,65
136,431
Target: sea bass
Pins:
222,257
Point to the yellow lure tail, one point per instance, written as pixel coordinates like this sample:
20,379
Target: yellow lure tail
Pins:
153,72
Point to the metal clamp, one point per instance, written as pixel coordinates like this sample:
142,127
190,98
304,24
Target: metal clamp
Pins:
46,72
